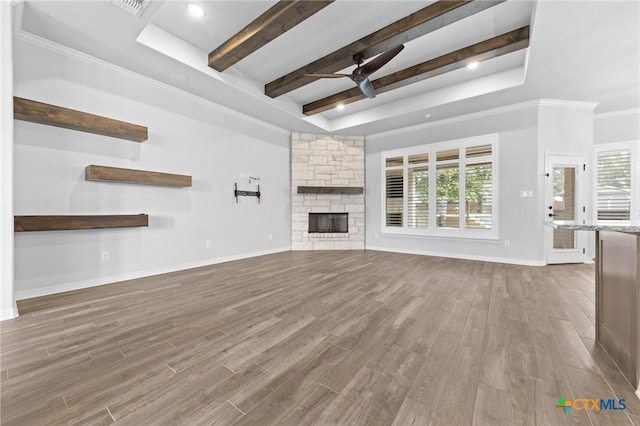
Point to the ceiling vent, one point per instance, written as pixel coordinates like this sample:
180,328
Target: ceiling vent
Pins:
134,7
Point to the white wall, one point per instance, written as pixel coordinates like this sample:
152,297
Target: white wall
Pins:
7,300
618,126
566,128
527,133
612,127
520,219
186,136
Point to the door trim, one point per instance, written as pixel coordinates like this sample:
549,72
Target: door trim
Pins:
579,254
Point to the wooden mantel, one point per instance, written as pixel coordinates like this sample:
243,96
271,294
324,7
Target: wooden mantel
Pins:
350,190
117,174
53,115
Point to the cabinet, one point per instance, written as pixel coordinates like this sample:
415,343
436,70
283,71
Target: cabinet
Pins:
618,299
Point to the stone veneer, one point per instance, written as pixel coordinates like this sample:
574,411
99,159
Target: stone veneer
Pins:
320,160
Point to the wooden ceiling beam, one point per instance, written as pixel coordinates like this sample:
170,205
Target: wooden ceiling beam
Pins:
424,21
277,20
491,48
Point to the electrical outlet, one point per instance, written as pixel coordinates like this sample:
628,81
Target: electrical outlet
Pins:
507,243
105,255
270,237
208,243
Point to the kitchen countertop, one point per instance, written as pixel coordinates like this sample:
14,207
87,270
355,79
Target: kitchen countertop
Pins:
596,227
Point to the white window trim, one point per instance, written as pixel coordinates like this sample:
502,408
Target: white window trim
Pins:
634,147
432,230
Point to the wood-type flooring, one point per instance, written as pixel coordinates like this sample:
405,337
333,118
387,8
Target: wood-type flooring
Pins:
326,338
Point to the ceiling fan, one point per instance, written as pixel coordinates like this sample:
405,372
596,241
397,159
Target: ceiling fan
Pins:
361,74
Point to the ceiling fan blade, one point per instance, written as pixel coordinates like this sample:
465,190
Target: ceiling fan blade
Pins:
367,88
328,75
377,63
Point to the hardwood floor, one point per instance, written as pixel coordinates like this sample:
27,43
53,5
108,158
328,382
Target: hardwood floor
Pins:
298,338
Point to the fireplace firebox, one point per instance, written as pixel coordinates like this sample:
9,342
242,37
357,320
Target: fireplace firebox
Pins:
322,223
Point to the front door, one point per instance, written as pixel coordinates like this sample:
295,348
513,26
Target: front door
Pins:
565,205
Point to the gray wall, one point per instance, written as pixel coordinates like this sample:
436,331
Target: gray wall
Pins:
186,136
520,219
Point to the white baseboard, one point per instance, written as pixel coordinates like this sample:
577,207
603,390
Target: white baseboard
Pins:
9,313
508,260
77,285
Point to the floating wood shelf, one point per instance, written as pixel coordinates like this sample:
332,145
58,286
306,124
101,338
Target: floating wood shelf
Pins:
351,190
116,174
52,115
63,223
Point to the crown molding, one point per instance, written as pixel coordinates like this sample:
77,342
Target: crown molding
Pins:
619,113
568,104
459,118
487,113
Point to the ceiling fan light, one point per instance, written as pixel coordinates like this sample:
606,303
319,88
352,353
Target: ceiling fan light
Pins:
473,65
195,9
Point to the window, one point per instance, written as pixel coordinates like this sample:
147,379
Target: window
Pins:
445,189
617,183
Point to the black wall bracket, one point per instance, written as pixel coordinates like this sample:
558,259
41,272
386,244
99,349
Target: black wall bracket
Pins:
240,193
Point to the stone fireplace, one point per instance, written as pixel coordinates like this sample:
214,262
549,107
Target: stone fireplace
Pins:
327,199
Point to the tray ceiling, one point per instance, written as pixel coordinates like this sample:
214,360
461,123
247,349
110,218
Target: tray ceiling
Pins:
577,50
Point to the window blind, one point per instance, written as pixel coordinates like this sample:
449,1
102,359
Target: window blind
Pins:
395,197
614,185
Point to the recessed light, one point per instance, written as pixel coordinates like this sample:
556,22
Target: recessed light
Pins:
340,107
473,65
195,9
427,115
